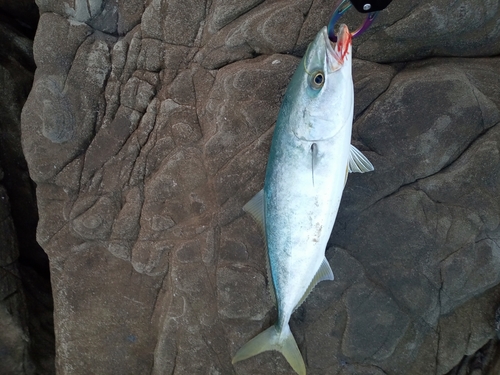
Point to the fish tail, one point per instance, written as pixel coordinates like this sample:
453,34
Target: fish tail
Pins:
271,339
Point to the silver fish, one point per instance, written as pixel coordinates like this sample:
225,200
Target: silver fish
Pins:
311,154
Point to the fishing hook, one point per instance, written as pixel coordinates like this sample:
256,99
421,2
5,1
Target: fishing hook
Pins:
339,11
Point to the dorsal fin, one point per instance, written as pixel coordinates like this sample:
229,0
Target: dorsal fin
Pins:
324,273
358,162
255,207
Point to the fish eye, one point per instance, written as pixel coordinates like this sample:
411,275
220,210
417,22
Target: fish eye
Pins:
318,80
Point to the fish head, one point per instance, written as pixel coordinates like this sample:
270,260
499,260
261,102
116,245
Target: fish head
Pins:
326,89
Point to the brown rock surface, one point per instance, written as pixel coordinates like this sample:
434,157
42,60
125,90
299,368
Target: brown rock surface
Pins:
147,130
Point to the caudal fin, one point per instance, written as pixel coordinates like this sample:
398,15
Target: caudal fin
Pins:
271,340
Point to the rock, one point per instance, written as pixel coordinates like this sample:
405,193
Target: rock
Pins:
408,31
146,136
14,344
22,15
370,80
26,332
484,360
265,29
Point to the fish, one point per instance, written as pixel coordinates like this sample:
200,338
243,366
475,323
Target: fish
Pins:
309,160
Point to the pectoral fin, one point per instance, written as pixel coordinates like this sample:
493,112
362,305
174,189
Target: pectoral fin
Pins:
314,157
358,162
324,273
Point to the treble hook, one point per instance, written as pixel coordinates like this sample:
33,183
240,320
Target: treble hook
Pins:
341,9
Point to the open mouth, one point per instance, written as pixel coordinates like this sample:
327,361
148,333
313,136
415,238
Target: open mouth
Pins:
338,51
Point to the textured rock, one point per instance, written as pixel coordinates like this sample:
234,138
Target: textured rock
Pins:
26,332
410,31
13,345
146,136
14,358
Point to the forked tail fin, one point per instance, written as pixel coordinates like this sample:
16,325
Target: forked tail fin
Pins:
270,339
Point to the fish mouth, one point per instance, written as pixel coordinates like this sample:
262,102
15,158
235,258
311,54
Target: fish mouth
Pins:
337,52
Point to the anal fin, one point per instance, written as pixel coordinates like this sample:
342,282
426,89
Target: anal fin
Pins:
324,273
